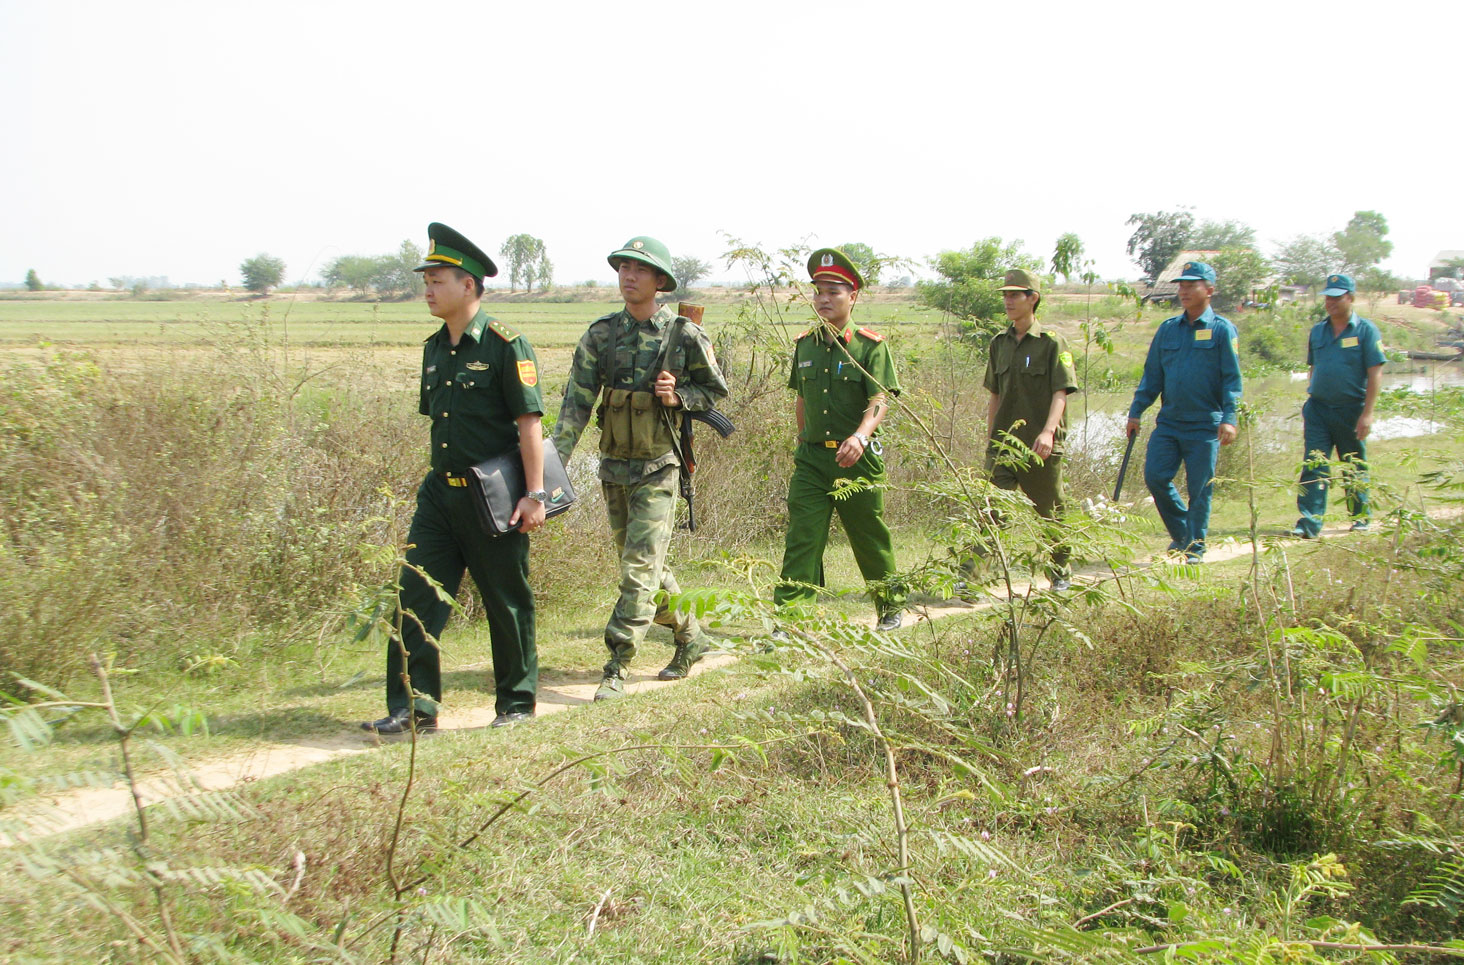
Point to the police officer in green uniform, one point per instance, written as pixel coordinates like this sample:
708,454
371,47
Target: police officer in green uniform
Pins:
843,379
1029,374
1345,355
642,367
480,386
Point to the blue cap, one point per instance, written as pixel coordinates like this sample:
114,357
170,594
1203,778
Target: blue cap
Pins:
1339,285
1196,271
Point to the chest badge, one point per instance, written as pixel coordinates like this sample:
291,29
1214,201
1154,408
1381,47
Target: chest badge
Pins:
1203,335
478,366
1350,342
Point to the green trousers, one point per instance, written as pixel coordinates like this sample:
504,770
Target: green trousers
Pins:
642,516
1043,485
447,537
810,508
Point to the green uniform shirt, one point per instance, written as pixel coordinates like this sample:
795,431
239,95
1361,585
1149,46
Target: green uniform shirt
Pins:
836,391
475,390
1025,374
699,380
1339,363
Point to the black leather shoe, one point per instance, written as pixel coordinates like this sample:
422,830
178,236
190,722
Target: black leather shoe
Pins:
397,722
515,717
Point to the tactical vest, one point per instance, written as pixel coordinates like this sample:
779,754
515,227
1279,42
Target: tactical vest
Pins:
633,422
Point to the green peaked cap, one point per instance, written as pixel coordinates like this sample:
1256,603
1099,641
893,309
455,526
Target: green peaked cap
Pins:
834,264
646,249
449,247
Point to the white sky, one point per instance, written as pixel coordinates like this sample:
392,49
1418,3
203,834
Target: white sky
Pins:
150,137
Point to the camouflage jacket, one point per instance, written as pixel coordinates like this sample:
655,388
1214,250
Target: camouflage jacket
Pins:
699,380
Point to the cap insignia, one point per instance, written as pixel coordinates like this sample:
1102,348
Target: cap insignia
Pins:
827,261
1190,266
637,245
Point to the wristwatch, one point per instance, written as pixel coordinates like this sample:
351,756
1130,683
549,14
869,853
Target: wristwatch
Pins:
537,495
863,439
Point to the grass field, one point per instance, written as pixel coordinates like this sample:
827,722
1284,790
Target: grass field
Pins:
1248,761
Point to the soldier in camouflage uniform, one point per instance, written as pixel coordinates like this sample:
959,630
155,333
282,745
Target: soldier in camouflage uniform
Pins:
641,367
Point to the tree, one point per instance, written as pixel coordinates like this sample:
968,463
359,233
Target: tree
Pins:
352,271
689,270
525,255
1451,268
1067,256
869,264
1306,260
545,272
1157,238
971,281
1238,270
1215,235
33,281
396,275
1361,243
261,273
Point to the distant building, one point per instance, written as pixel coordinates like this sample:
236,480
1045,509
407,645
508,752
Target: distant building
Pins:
1164,290
1440,264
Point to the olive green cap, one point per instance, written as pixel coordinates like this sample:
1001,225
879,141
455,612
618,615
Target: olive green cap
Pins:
650,251
833,264
449,247
1020,280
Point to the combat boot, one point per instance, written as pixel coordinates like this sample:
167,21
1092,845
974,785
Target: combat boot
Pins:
686,655
612,685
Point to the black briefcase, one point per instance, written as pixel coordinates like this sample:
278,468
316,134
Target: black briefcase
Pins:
498,485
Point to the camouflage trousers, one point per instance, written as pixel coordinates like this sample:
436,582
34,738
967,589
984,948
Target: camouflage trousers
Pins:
642,515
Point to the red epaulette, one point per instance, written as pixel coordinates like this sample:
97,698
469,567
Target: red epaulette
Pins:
799,338
871,335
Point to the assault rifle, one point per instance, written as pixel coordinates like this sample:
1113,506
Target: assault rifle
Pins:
711,417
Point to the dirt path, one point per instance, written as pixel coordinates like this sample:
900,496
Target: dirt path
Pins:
72,809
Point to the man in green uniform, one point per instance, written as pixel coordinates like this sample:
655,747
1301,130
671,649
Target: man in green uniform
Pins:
644,365
1345,354
480,386
843,379
1029,374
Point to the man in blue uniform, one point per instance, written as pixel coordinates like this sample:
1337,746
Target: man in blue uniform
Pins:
480,386
1194,366
1345,354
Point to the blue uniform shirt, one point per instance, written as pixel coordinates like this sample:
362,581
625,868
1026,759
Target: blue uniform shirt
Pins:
1195,367
1339,363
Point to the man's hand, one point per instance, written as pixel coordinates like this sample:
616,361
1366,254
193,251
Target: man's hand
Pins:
1364,425
849,452
528,515
1226,434
1133,427
1043,446
666,390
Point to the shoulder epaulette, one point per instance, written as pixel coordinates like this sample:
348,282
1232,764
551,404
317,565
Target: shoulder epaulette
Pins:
801,337
606,318
871,335
502,330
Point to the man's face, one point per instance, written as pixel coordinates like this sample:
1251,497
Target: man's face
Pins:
833,301
1020,304
1339,306
447,291
1194,296
638,281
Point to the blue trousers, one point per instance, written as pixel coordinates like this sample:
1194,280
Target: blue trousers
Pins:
1327,427
1197,448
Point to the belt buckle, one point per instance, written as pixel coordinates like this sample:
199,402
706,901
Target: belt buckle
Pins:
457,482
831,444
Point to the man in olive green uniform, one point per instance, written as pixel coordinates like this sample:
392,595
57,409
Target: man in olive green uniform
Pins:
643,366
843,379
480,386
1029,374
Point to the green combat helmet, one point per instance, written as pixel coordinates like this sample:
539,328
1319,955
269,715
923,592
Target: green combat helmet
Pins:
650,252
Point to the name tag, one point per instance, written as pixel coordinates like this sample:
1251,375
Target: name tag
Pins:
805,364
1350,342
1203,335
